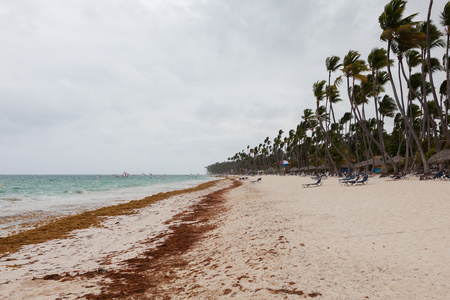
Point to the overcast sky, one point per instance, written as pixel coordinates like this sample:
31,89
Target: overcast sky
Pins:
164,86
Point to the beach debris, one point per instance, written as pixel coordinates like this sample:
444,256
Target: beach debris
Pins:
158,265
61,227
286,291
52,277
226,291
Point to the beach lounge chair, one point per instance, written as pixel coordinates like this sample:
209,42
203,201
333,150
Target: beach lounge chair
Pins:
344,181
400,176
426,177
394,177
364,180
318,183
438,175
357,181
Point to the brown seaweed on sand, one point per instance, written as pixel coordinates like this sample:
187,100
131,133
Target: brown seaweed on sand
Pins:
148,274
62,227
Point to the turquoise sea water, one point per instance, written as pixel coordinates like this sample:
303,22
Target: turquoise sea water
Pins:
25,198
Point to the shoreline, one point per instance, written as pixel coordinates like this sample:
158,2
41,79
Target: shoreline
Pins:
266,240
95,249
31,200
61,226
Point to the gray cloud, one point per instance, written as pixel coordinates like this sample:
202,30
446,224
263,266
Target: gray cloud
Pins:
164,86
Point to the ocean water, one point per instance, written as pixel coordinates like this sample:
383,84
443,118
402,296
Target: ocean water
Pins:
31,198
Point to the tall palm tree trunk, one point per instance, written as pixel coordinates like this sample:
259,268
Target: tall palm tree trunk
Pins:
408,124
379,129
327,136
447,72
363,126
430,76
429,122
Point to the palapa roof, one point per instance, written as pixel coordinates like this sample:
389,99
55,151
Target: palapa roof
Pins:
294,169
346,166
440,157
307,168
323,167
398,159
373,161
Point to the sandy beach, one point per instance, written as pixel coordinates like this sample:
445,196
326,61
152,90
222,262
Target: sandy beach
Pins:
261,240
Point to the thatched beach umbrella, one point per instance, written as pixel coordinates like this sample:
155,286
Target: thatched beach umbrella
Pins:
360,164
322,167
398,159
363,164
271,170
307,168
294,169
377,161
440,157
347,166
373,161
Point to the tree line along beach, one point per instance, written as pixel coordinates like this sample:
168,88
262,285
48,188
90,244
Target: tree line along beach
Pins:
403,87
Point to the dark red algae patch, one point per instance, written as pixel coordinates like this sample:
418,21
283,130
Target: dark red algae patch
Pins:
294,292
144,276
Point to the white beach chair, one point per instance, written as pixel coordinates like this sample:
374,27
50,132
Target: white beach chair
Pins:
318,183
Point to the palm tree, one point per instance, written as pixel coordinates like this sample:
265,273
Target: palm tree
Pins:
429,65
392,23
408,37
309,123
346,132
444,100
290,148
321,114
353,66
266,151
413,59
359,94
433,40
352,69
332,64
445,21
277,148
415,91
377,60
301,135
387,108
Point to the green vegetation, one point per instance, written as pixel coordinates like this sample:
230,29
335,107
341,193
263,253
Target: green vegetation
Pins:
419,108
